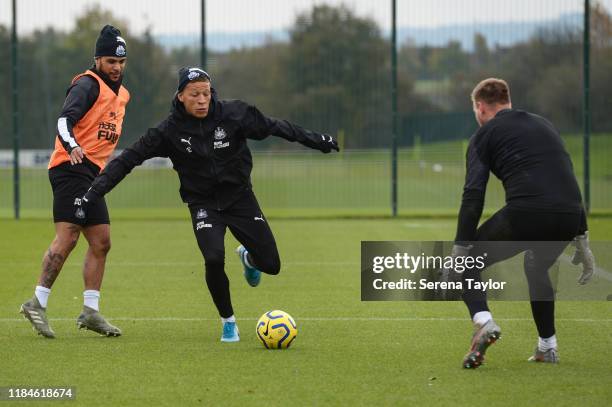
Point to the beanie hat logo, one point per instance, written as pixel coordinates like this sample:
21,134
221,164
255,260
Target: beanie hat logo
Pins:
188,74
120,52
110,43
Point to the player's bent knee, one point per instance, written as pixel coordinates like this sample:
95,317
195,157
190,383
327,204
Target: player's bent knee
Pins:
71,242
272,266
274,270
101,246
65,242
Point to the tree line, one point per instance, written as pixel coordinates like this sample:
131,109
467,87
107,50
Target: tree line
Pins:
333,75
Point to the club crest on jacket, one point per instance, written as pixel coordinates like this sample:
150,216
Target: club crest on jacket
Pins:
220,133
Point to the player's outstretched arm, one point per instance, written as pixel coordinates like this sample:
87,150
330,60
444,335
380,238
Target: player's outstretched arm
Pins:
258,126
148,146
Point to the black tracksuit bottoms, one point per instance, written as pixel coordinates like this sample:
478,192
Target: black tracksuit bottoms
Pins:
520,228
247,223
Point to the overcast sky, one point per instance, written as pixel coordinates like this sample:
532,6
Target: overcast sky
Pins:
183,16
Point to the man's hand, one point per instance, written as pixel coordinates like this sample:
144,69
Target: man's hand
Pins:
327,143
449,274
76,155
81,204
585,256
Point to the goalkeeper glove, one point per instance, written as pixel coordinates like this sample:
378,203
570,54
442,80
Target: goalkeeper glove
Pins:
585,256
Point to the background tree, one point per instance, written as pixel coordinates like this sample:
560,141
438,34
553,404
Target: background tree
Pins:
337,74
333,75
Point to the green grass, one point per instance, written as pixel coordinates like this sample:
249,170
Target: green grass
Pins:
155,271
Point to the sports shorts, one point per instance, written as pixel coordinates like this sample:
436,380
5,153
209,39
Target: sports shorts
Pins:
69,183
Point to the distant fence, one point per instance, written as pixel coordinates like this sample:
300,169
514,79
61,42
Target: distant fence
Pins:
302,183
326,65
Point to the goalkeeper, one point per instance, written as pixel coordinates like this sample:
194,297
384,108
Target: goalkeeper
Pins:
543,203
206,140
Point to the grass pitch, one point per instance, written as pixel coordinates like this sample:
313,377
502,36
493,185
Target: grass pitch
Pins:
347,352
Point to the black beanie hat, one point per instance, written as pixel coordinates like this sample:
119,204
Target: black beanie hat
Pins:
110,43
188,74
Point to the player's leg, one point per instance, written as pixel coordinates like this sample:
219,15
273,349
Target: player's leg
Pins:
258,251
66,186
66,238
537,263
98,237
497,228
209,229
486,331
553,232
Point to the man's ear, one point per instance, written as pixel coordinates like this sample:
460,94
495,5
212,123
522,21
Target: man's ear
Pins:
481,107
180,96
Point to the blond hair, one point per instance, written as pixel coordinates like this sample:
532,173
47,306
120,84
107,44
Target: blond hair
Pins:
491,91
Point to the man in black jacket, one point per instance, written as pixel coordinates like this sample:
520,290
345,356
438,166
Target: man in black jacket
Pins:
206,140
543,204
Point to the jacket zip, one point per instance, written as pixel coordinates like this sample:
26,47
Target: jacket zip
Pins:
210,154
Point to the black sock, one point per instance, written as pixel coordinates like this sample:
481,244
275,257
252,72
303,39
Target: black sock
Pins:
476,306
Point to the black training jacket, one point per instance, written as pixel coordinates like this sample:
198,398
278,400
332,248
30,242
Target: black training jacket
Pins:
527,154
210,155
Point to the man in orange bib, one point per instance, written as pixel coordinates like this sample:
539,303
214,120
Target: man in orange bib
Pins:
88,130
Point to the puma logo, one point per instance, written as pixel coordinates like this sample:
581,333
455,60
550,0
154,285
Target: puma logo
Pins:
188,141
259,218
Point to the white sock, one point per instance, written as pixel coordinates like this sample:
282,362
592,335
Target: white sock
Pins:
545,344
482,317
42,293
230,319
91,299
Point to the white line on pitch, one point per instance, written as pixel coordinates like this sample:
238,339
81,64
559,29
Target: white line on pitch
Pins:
417,319
189,264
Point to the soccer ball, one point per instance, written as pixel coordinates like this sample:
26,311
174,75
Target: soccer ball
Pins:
276,329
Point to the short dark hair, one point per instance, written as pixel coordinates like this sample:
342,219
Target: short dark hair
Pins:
492,91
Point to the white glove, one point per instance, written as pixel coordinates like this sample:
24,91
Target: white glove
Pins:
585,256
